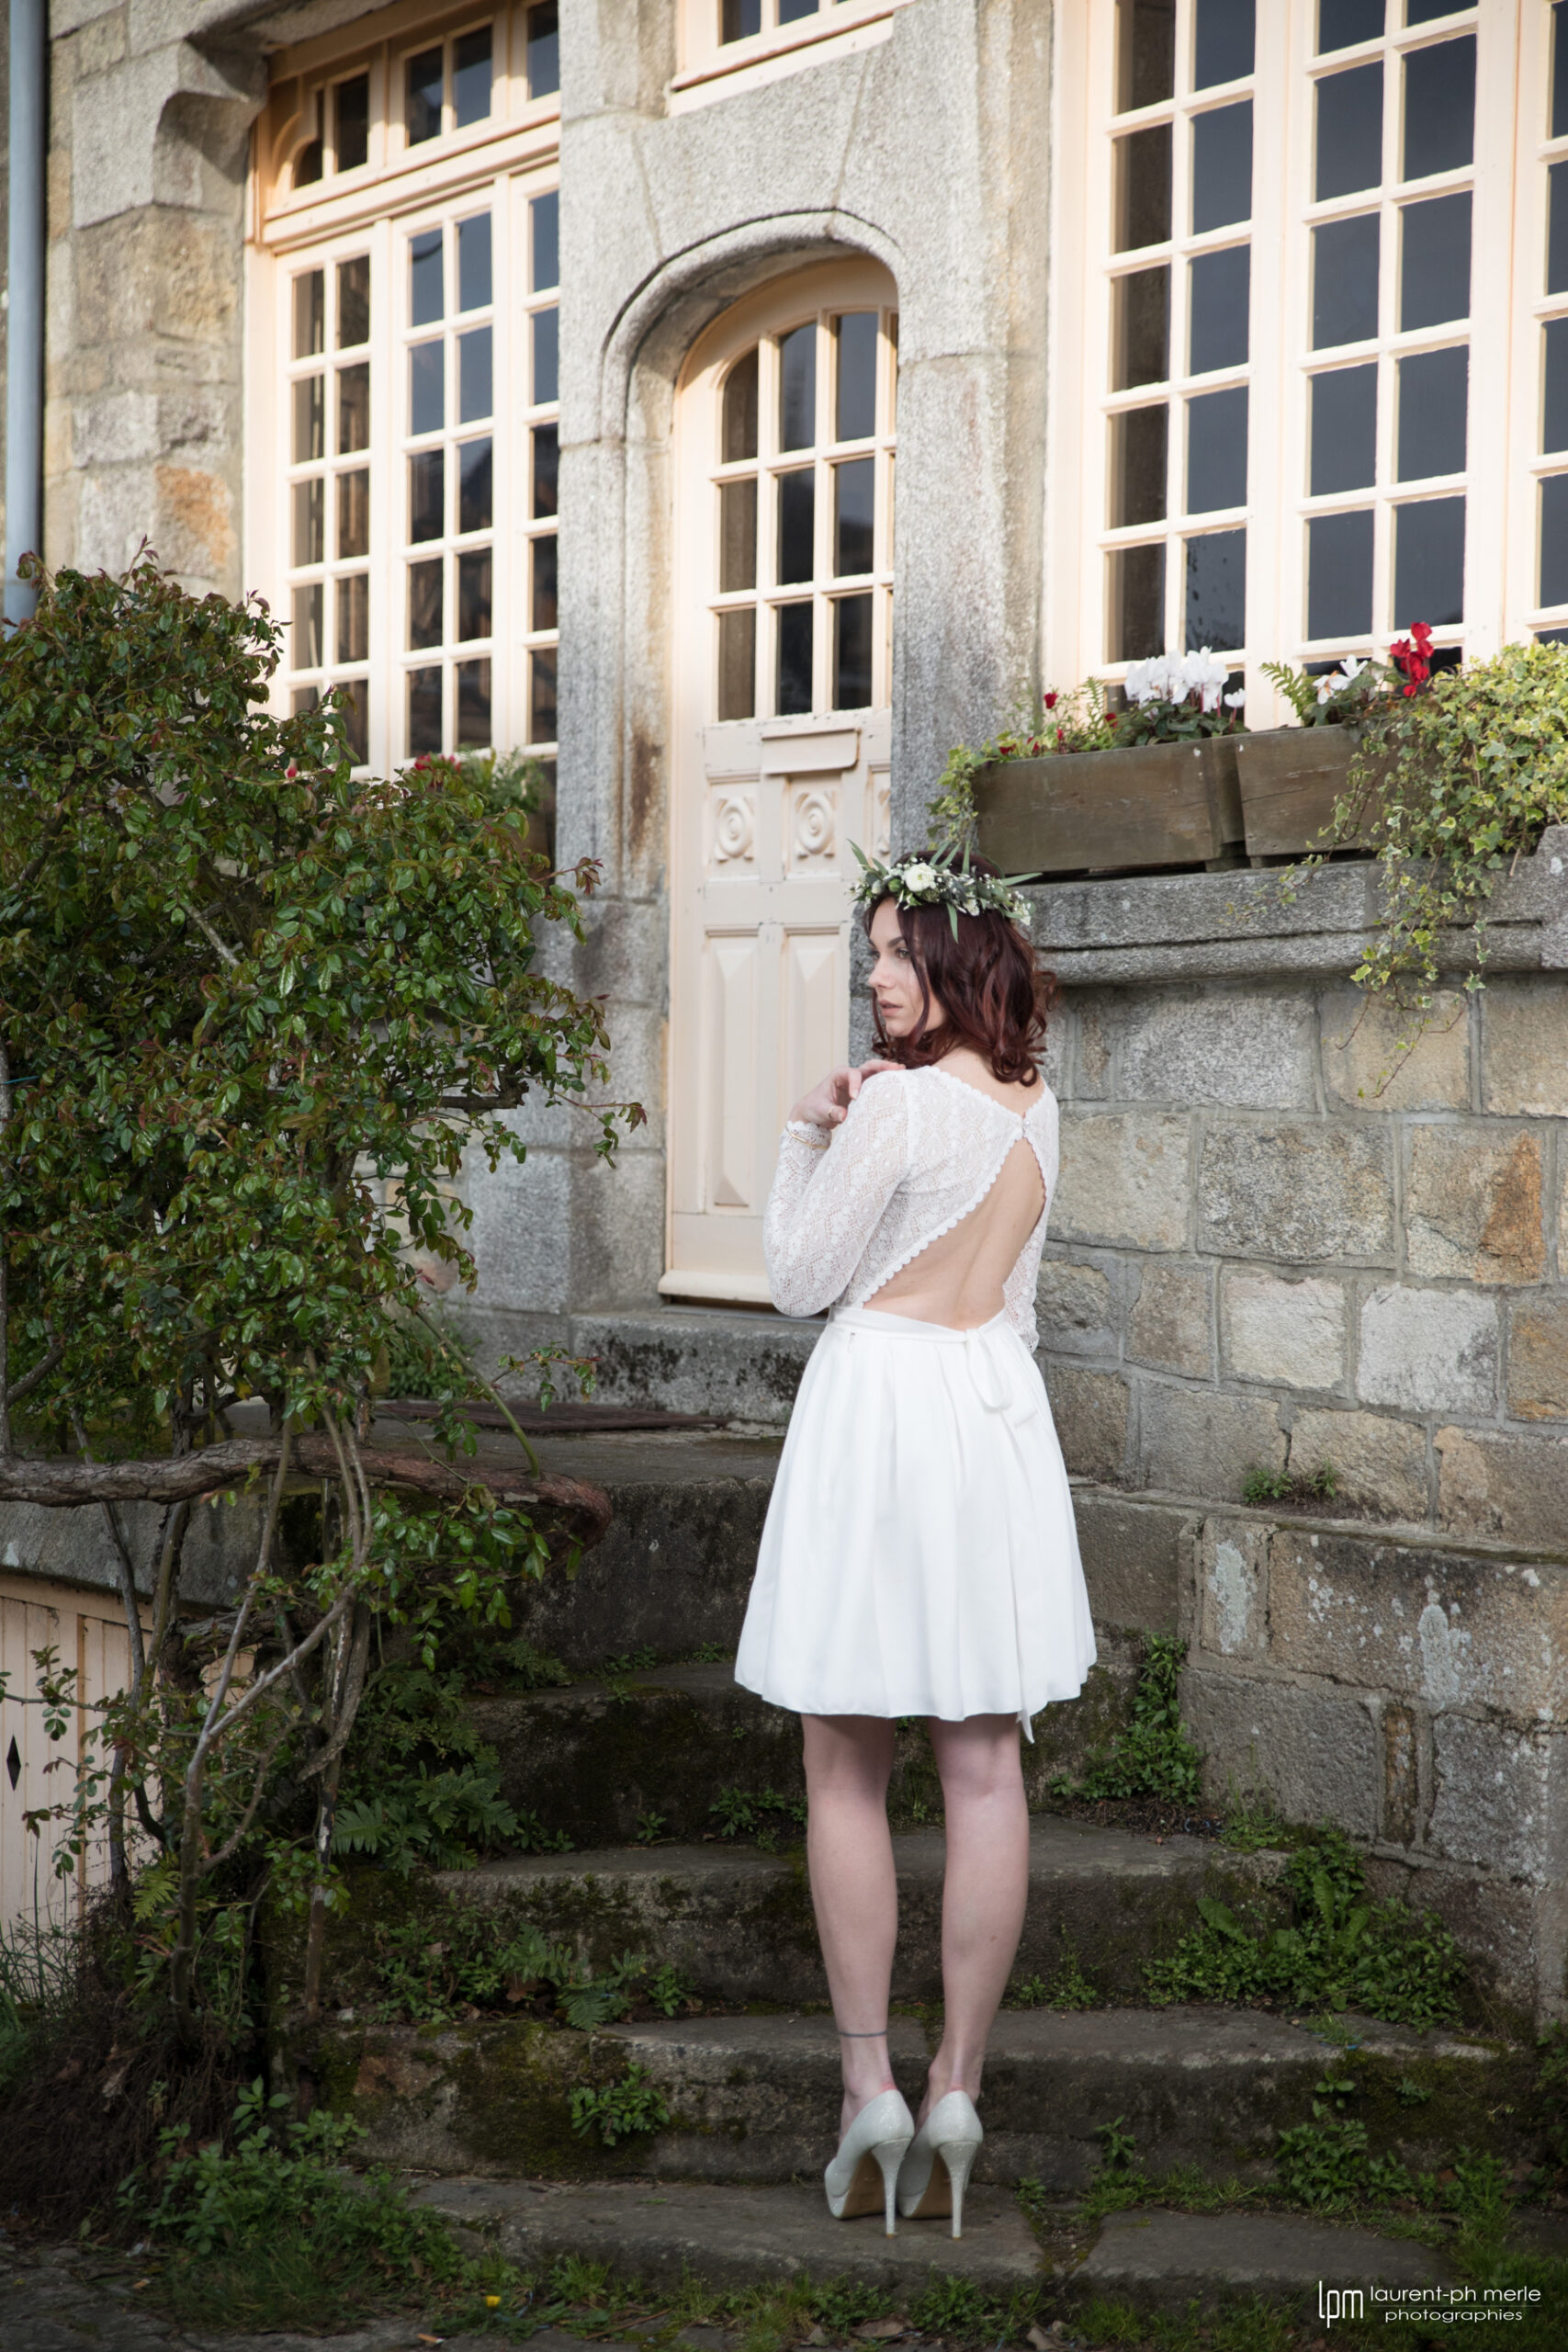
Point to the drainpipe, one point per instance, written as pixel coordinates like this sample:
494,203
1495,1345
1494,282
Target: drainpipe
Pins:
24,298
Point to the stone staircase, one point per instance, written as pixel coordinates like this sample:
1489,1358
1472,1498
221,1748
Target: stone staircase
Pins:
640,1766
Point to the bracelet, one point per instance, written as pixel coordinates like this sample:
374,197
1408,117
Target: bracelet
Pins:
803,1134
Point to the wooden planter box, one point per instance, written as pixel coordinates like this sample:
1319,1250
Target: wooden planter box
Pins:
1290,779
1149,805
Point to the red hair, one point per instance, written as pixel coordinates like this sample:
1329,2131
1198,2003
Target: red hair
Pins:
988,982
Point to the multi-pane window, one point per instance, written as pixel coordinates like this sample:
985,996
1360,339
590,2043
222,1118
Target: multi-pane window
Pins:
540,629
1549,454
803,519
327,419
723,36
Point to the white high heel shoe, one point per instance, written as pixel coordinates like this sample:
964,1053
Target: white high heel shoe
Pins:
875,2142
936,2171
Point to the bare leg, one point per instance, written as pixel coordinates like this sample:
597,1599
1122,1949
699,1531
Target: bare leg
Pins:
850,1853
984,1891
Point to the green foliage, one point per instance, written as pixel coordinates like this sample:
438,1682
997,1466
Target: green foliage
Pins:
1153,1756
1338,1951
426,1356
619,2110
523,1667
1079,721
420,1786
669,1991
650,1827
1341,698
464,1967
1240,2324
762,1813
1068,1989
1120,2180
1261,1486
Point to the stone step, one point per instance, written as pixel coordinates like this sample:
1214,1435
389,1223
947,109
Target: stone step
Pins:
598,1759
744,1366
756,2099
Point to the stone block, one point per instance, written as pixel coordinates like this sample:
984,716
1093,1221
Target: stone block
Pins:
1233,1569
1401,1776
1201,1442
520,1235
1473,1204
1493,1482
1132,1559
617,1228
1090,1412
1426,1625
1524,1053
1123,1181
1094,1045
1500,1797
1428,1351
1314,1752
1285,1331
1537,1359
1172,1323
1379,1463
1075,1307
1297,1192
1369,1064
1249,1049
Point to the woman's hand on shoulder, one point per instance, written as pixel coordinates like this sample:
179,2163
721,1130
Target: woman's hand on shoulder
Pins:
828,1103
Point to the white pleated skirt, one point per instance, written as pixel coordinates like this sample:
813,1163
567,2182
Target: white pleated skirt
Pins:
920,1555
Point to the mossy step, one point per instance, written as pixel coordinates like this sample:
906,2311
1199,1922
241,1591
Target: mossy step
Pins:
756,2099
601,1760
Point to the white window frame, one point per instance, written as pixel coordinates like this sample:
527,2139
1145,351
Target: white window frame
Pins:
711,68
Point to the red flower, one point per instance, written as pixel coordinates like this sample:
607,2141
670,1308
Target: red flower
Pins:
1410,656
1052,699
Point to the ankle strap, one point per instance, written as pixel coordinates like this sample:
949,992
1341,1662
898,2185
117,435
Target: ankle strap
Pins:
867,2033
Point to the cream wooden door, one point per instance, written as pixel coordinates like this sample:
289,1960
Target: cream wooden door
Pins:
784,554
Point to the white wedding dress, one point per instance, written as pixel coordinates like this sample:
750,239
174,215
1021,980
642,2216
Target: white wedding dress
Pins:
920,1555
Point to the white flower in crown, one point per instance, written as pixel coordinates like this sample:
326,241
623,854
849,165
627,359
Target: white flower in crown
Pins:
921,878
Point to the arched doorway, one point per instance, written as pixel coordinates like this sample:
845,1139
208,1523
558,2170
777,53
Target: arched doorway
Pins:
783,633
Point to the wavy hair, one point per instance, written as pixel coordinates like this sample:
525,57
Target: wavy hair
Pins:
995,993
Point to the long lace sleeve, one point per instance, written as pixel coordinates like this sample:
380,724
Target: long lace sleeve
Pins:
825,1206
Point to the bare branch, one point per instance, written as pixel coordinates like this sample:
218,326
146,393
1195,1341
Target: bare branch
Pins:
40,1371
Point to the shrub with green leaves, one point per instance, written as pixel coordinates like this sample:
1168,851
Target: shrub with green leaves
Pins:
1153,1755
623,2110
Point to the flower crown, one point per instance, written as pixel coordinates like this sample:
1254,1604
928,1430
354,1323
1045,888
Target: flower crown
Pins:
929,878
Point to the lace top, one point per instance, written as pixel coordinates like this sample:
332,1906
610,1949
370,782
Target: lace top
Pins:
918,1151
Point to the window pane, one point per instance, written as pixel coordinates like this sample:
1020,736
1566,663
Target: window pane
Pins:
797,515
794,659
308,531
1142,188
1216,453
542,696
1554,540
1423,12
1223,42
1342,22
353,617
427,297
544,51
1344,433
473,262
791,11
474,594
737,665
852,653
351,716
473,706
798,389
544,216
427,387
423,115
425,712
855,336
740,20
309,314
307,163
471,77
1554,391
1140,329
354,408
1222,167
1559,71
304,699
547,356
1433,275
1135,604
1216,590
1339,575
1349,131
474,485
543,603
1345,281
1439,108
353,301
475,394
353,515
1138,445
1219,298
309,412
545,445
740,437
351,126
426,626
427,502
854,533
1429,562
1434,399
1145,52
305,654
1557,229
736,536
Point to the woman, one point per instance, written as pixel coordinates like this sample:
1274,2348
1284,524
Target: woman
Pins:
919,1556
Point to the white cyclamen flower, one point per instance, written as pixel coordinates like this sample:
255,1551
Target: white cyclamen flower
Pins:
1235,702
919,877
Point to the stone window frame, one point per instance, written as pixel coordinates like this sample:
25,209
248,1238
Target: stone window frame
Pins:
1498,594
710,67
505,162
